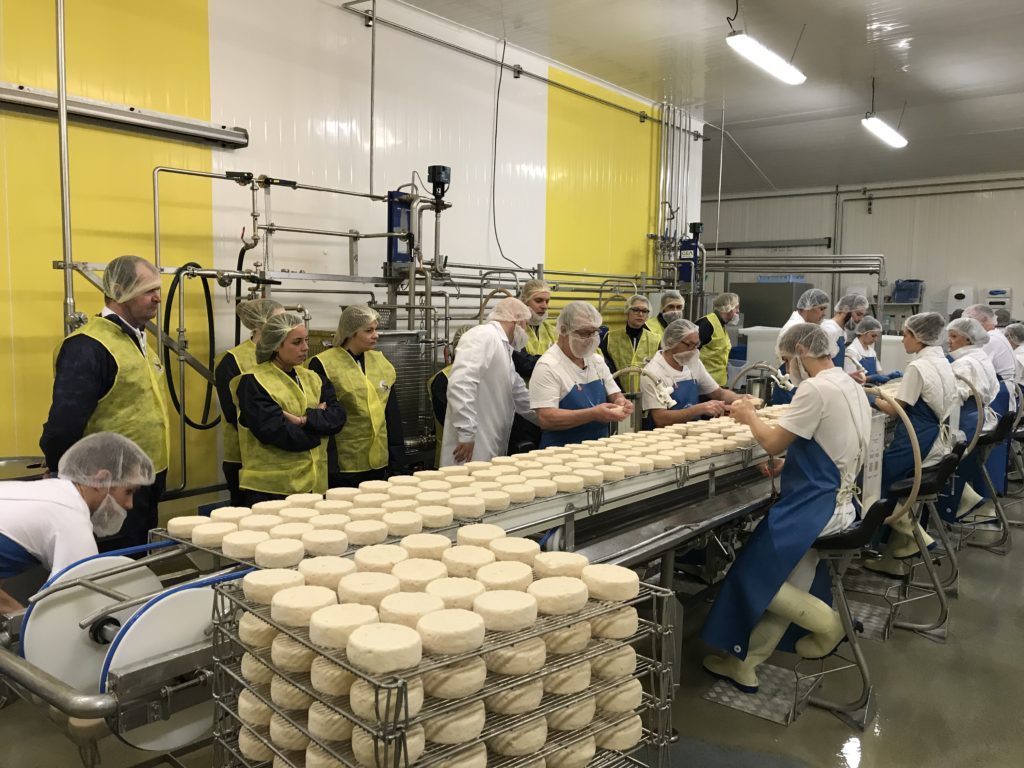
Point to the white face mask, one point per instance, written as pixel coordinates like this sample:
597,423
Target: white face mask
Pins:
583,348
108,517
536,319
735,320
519,338
682,358
797,372
672,315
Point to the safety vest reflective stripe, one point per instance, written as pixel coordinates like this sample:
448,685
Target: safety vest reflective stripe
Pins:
715,354
623,354
363,442
134,406
245,358
540,339
267,468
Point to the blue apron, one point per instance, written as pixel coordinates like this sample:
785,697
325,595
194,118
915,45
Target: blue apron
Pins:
685,393
840,357
578,398
898,459
810,485
870,364
967,470
1000,455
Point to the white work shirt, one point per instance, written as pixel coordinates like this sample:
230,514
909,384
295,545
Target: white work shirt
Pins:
1018,358
857,351
974,365
832,410
484,393
930,376
555,374
1000,352
835,332
669,377
49,518
140,334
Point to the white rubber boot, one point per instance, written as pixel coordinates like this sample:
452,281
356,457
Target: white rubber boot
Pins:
902,543
807,611
763,639
968,501
887,565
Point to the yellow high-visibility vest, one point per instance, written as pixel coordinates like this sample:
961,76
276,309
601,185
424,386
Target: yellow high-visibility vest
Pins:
245,358
715,354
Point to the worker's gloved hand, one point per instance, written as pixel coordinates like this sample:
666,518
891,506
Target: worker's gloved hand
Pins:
895,375
878,378
609,413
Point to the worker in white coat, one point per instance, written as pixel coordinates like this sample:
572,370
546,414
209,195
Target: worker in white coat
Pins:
810,308
1014,334
55,522
849,311
484,390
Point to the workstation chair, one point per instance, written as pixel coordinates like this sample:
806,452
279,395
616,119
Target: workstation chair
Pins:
974,523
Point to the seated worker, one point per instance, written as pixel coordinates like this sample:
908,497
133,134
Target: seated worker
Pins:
860,353
1014,334
635,345
678,370
285,415
967,340
437,393
849,311
672,306
825,435
236,361
371,446
572,390
714,341
927,393
53,522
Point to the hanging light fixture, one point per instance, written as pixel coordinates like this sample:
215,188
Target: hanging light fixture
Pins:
763,57
882,129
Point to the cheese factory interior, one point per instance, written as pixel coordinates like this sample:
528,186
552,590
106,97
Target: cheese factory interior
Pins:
485,384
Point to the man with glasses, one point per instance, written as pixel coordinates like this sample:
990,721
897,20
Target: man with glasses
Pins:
678,369
572,390
633,345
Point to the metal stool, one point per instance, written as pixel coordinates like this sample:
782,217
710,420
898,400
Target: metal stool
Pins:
986,443
838,551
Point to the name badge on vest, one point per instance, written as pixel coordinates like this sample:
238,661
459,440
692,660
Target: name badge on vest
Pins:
384,386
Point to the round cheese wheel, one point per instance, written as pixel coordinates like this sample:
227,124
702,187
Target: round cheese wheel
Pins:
515,548
325,542
476,466
456,681
288,696
572,639
181,527
342,494
572,679
645,463
242,543
516,701
324,723
399,505
325,571
459,481
559,564
465,492
330,507
255,632
229,514
485,485
426,546
318,757
286,736
511,575
442,486
467,508
333,521
366,513
373,752
403,523
415,573
377,704
436,517
379,557
408,607
261,586
495,500
575,755
543,489
428,474
298,514
568,483
404,492
622,698
366,532
611,582
559,595
454,470
289,530
506,610
611,472
456,592
503,461
457,726
211,534
622,736
511,477
295,606
537,474
303,499
271,507
617,663
479,534
525,463
252,710
617,625
375,486
432,499
253,747
591,477
523,658
329,678
520,493
366,588
255,671
406,480
382,648
520,740
492,474
290,655
660,459
259,522
278,553
466,560
451,631
331,626
369,499
573,717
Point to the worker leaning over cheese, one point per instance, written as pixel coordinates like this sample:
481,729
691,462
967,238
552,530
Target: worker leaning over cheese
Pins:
371,446
234,362
285,416
572,390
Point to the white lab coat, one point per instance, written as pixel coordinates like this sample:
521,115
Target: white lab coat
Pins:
49,519
484,393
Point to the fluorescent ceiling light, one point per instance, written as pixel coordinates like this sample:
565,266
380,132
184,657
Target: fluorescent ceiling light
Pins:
884,131
768,60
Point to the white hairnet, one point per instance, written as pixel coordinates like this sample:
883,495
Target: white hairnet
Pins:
980,312
1015,333
725,302
510,310
811,298
253,314
970,329
809,336
1002,317
352,320
635,299
867,325
105,460
852,302
576,315
671,295
675,332
926,327
531,287
124,281
274,332
457,336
